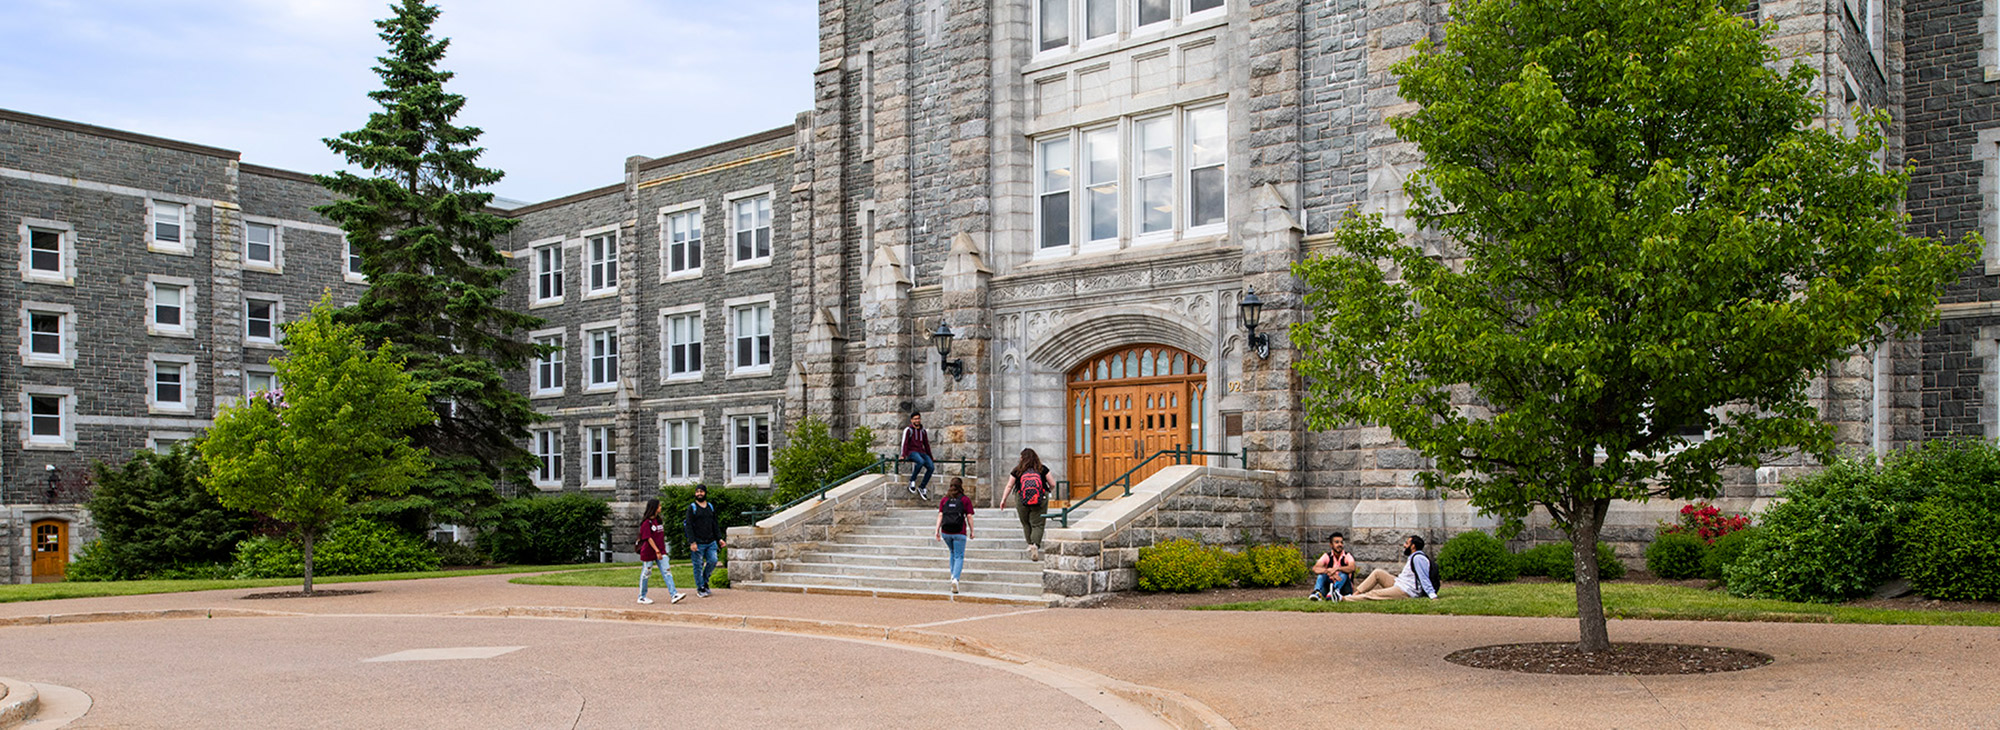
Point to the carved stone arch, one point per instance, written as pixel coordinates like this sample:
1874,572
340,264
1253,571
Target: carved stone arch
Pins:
1085,334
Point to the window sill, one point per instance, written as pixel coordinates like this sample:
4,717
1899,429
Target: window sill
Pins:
184,334
763,481
353,278
263,344
757,263
41,362
762,371
52,279
688,275
557,393
540,303
601,294
171,249
682,378
546,485
50,445
601,484
687,481
263,268
601,388
169,410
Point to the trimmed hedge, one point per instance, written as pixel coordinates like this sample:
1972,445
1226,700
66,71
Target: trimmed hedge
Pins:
1556,560
1182,566
1475,557
1676,555
1952,550
1274,565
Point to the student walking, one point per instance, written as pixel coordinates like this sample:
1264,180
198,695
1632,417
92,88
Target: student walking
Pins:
917,449
954,526
704,534
653,553
1030,487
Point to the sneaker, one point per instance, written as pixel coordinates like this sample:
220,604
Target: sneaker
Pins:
1034,552
954,585
1313,597
1336,597
913,487
678,597
702,594
644,601
924,493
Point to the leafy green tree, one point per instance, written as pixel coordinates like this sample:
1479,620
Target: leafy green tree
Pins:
1646,239
420,225
812,455
153,517
332,434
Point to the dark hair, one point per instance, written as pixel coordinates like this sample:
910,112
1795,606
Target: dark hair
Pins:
957,488
1029,462
1335,536
914,414
1416,542
652,509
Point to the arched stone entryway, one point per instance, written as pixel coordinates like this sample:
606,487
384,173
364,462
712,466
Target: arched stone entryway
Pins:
1128,403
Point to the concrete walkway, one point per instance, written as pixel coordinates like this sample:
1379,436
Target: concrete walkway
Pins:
1253,670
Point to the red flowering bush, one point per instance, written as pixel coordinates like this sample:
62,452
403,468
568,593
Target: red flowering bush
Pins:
1705,521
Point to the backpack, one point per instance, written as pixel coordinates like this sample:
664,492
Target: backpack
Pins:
1436,584
954,516
1033,491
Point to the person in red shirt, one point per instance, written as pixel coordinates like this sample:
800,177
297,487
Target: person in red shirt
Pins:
653,553
954,526
917,450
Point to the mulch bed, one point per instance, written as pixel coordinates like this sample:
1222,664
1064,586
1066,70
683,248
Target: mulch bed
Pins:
319,593
1564,658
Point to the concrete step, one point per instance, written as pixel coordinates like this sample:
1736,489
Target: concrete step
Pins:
939,572
923,537
936,559
907,585
927,549
965,596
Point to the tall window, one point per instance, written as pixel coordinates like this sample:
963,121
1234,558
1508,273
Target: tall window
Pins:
260,245
680,447
753,229
549,368
46,259
549,273
354,263
1207,152
46,341
1154,168
683,236
753,336
45,418
750,444
1052,24
169,224
1053,182
1100,158
548,448
260,320
603,261
604,357
1059,22
683,340
603,453
1100,18
168,301
169,379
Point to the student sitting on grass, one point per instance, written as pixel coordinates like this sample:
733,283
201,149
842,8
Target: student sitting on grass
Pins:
1335,570
1414,581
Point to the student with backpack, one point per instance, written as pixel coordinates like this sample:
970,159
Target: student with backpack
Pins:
954,526
703,531
1419,577
1030,487
653,553
1335,570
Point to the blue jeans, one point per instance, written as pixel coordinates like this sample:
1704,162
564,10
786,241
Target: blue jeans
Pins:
666,576
1321,586
703,560
957,545
921,462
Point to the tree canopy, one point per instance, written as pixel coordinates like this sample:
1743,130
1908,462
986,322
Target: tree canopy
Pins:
1652,245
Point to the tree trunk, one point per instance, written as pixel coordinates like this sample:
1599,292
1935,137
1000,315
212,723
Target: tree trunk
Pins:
308,554
1586,522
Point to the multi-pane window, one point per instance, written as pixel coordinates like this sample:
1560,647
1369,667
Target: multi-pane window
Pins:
1153,167
1060,24
1176,163
750,446
353,262
1052,24
260,245
45,417
1052,182
753,228
753,336
548,448
683,340
603,453
169,380
168,303
603,261
603,357
260,320
45,252
169,223
1207,152
45,334
549,272
680,445
259,381
1100,18
682,234
549,367
1100,160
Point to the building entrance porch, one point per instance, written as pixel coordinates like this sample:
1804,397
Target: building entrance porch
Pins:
1126,405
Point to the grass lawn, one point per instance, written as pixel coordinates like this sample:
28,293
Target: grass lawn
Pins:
1627,601
623,575
93,589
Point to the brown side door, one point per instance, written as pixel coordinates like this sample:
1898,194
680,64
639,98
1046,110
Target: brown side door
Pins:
51,550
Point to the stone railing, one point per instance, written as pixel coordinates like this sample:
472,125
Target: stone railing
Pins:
1098,555
756,549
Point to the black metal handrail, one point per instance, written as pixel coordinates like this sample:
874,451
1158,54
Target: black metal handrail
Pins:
1179,455
883,464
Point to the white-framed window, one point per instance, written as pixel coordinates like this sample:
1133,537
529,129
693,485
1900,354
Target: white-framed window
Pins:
1153,169
602,249
1208,152
1064,25
749,447
549,374
549,450
163,442
602,340
48,335
170,303
750,336
750,229
352,258
48,252
170,383
50,423
680,449
1174,160
258,379
170,225
262,247
261,315
1053,163
601,444
680,343
680,243
548,260
1100,185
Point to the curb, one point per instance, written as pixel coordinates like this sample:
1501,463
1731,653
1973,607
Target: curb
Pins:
18,702
93,617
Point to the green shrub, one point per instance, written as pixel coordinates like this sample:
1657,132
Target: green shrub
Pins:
1181,566
457,554
1237,569
1676,555
1557,561
1475,557
1951,549
1275,565
1725,551
812,456
154,518
730,504
544,530
1831,538
1536,560
92,564
352,547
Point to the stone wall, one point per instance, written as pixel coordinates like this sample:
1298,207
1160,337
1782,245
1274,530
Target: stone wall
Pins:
757,549
1100,553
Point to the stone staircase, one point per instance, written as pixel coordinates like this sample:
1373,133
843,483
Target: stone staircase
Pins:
894,554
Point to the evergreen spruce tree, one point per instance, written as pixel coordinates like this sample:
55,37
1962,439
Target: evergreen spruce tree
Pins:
419,223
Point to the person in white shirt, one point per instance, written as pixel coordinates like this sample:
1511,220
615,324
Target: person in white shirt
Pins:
1414,581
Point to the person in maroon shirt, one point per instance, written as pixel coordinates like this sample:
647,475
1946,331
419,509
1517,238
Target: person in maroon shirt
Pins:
954,526
653,553
917,449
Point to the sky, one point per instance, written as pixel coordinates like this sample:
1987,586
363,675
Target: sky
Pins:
565,91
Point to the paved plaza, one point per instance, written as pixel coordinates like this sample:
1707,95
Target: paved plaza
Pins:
479,651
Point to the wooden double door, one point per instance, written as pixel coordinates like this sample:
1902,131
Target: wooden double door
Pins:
1148,399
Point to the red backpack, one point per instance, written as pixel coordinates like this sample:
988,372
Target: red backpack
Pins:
1033,490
